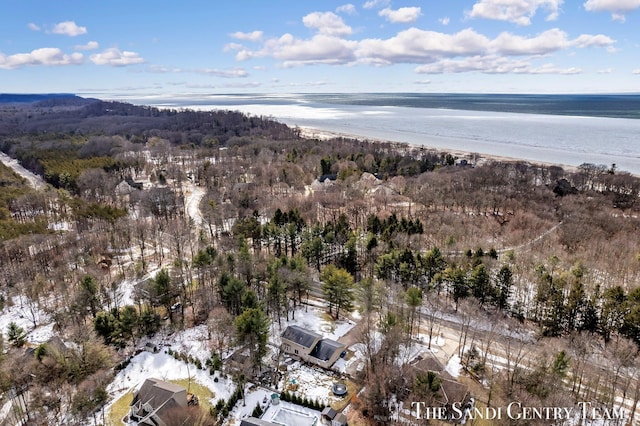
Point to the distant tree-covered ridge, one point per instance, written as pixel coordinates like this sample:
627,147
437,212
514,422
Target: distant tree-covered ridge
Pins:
79,116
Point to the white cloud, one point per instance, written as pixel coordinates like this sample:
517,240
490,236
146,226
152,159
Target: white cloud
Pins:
372,4
69,28
92,45
542,44
326,23
232,46
466,50
403,15
227,73
420,46
444,21
159,69
252,36
116,58
492,65
348,8
519,12
48,56
321,49
618,8
636,71
605,71
33,27
586,40
489,64
422,82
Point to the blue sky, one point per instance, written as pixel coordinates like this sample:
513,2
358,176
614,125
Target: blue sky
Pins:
141,48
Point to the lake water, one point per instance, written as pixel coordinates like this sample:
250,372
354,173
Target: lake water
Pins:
561,129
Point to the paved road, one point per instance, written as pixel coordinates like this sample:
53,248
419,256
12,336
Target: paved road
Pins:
34,180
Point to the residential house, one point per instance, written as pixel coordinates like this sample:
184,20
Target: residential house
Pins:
310,346
155,400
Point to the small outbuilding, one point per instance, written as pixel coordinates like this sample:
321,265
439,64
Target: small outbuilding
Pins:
333,418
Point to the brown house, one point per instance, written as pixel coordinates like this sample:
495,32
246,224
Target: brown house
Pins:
310,346
154,400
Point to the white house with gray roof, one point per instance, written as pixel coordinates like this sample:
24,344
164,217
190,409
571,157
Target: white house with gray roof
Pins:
310,346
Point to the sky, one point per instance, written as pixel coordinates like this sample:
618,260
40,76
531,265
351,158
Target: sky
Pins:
189,47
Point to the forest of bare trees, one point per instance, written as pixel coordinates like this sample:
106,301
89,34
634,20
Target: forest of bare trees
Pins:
221,219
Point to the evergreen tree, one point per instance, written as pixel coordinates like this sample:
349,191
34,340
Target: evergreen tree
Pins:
481,285
337,285
413,297
252,328
504,282
16,335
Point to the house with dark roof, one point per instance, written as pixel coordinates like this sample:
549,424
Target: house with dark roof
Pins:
333,418
310,346
154,400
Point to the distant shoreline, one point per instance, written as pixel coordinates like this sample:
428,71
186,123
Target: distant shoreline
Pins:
321,134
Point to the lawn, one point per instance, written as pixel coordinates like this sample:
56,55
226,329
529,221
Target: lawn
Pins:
120,408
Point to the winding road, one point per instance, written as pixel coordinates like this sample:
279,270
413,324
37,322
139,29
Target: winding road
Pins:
33,179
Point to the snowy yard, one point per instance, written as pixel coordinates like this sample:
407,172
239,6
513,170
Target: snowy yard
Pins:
24,312
313,319
165,367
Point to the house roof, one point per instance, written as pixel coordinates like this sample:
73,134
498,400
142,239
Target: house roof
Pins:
300,336
329,413
325,349
340,418
454,391
428,363
160,396
253,421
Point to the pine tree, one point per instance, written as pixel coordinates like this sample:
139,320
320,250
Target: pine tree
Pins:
16,335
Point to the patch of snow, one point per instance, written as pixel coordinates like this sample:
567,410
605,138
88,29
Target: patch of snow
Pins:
41,334
453,366
252,397
193,341
165,367
126,288
314,319
22,312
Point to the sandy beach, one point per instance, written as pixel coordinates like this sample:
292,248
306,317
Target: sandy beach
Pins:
475,158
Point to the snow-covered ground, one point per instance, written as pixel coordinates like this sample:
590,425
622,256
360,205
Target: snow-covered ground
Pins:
165,367
126,288
22,312
258,395
454,367
313,319
192,341
310,382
